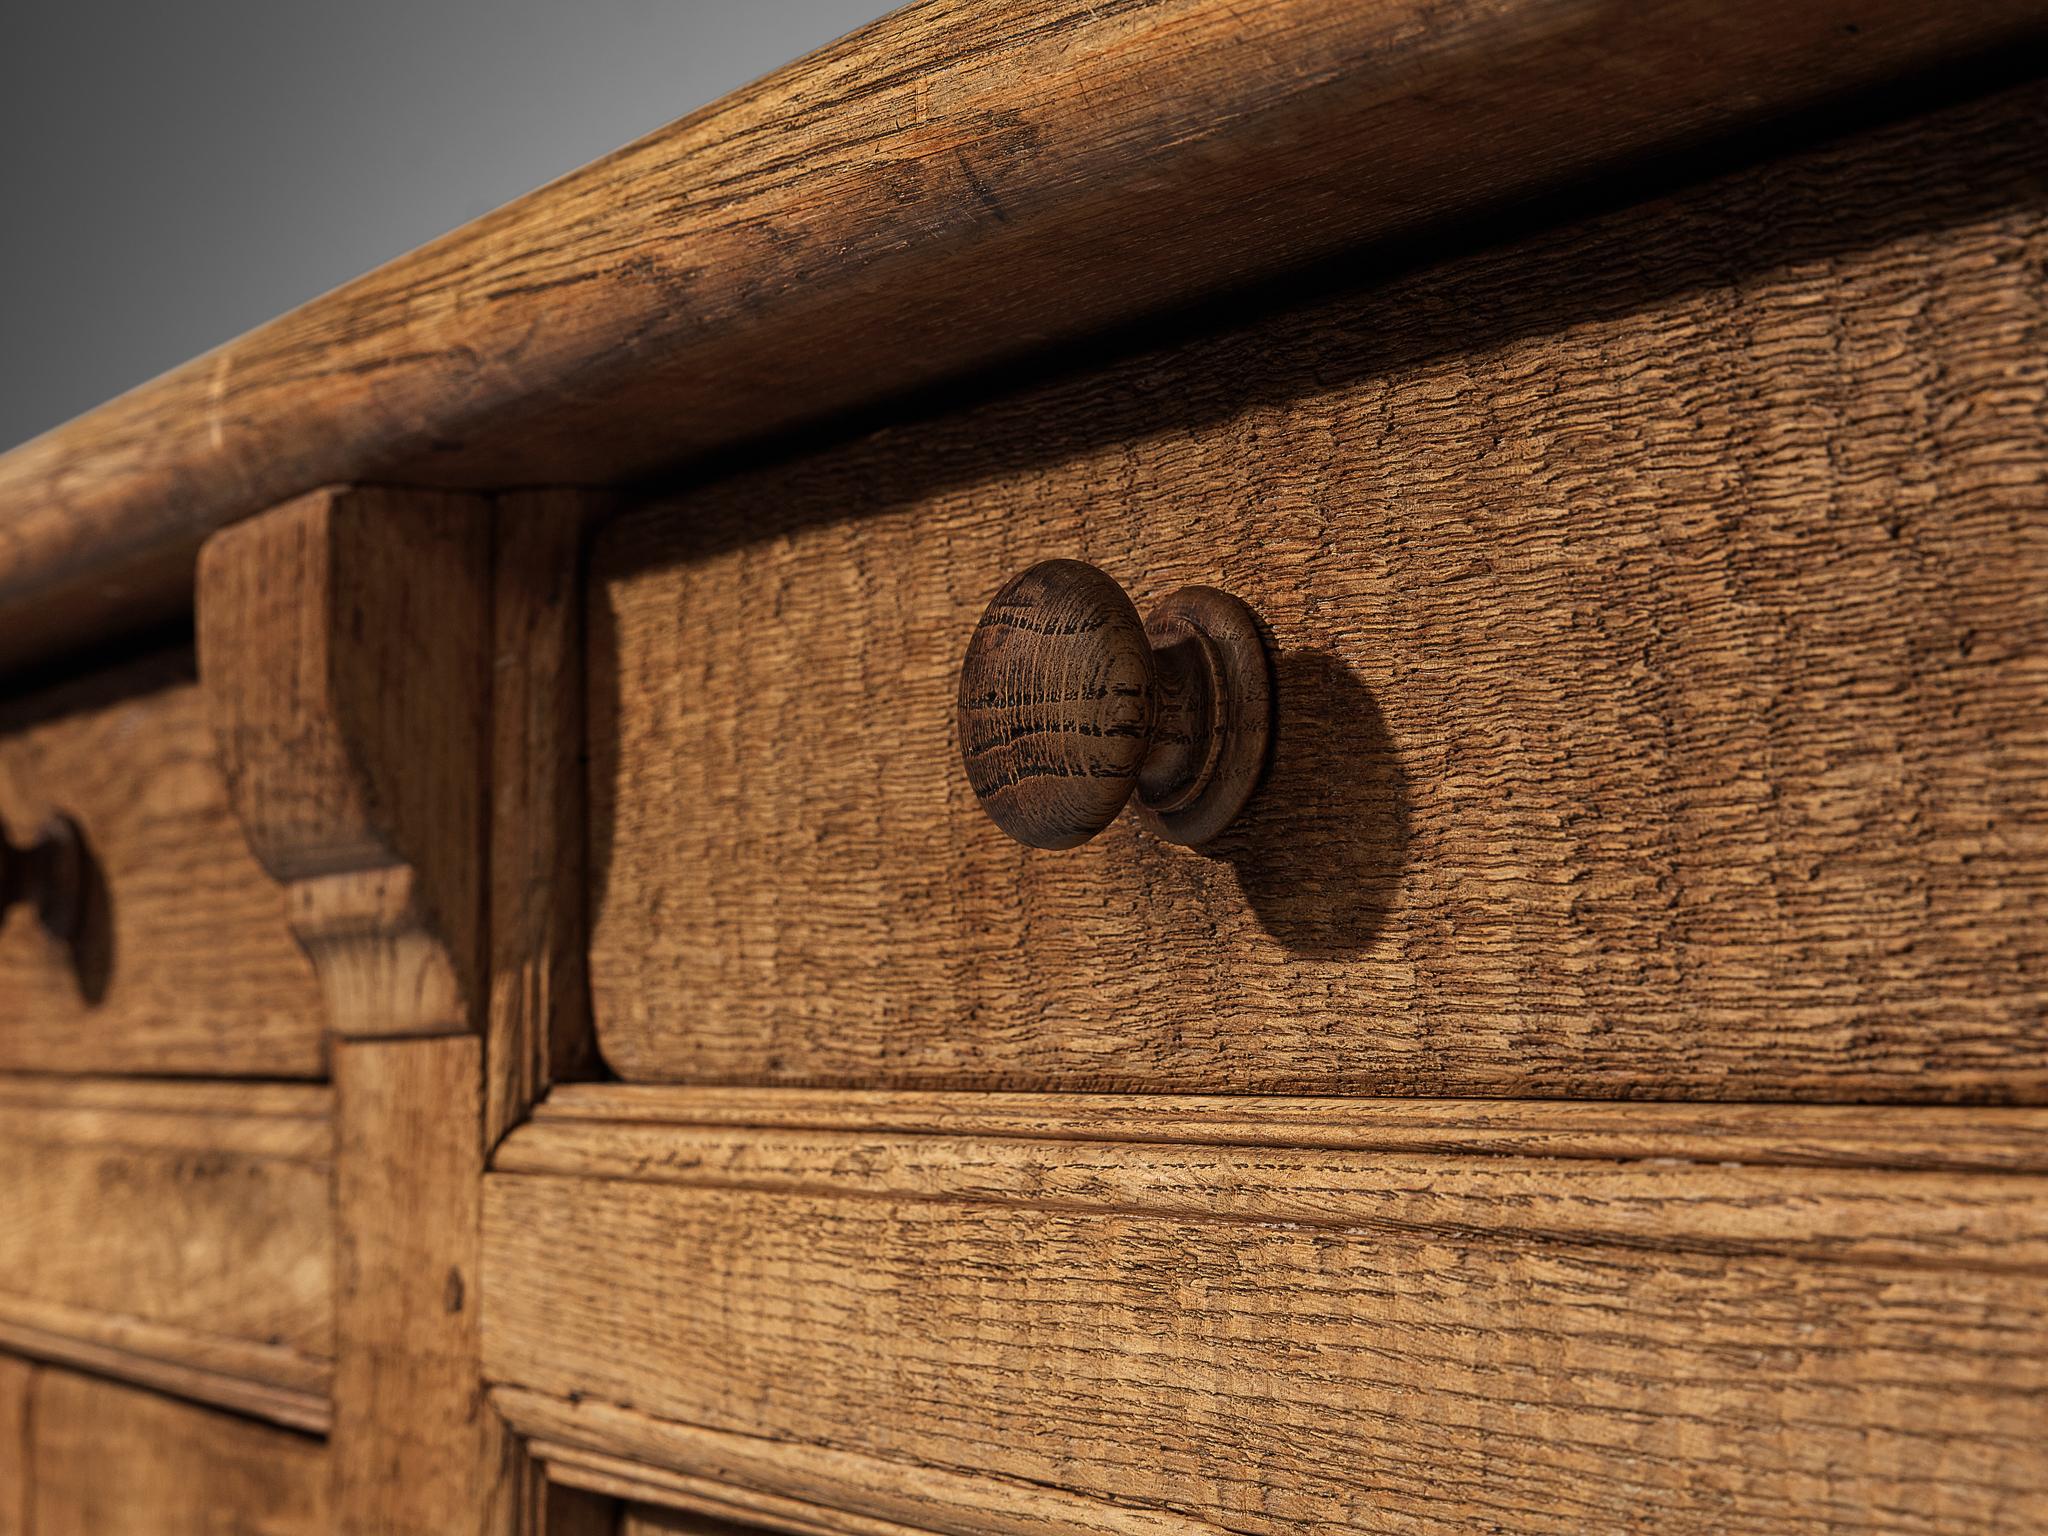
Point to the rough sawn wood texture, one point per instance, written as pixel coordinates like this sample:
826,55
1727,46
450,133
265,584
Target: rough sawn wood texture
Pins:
111,1461
184,964
975,1334
1660,609
176,1234
958,183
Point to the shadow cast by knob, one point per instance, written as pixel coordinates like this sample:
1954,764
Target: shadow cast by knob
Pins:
92,946
1320,850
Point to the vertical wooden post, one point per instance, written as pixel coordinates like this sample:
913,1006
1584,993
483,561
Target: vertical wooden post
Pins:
344,645
537,1029
539,1023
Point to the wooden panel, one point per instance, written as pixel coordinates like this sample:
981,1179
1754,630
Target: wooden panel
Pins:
1659,608
995,1334
113,1461
562,1511
179,1235
959,182
185,964
16,1377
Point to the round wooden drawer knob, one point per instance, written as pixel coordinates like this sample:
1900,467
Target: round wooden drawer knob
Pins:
1069,702
48,875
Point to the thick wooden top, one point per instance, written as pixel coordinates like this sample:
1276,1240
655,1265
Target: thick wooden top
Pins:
963,181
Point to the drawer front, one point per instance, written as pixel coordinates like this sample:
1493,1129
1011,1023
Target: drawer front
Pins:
1659,611
183,963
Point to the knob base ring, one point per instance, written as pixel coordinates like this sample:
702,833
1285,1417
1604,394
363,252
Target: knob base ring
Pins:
1240,715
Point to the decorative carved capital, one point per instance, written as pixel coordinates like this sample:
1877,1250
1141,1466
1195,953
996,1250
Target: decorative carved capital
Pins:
344,651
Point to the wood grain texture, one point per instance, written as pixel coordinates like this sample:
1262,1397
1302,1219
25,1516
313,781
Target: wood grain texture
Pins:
344,646
345,650
635,1454
112,1461
184,964
539,1021
1056,703
1070,704
959,182
417,1451
991,1334
16,1377
652,1520
557,1509
1915,1137
1659,607
646,1521
1818,1213
683,1498
178,1235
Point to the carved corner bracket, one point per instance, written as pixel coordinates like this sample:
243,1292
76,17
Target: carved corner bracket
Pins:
344,643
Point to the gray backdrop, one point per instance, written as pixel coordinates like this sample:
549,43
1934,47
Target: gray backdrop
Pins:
172,174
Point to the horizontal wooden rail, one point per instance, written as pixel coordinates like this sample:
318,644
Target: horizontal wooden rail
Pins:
959,182
1011,1313
1906,1137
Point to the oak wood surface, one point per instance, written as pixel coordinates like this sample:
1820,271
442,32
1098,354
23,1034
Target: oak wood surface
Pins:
16,1376
984,1333
1056,703
751,1477
1070,704
416,1450
344,644
677,1499
539,1017
1923,1137
652,1520
958,183
1852,1215
558,1509
345,650
1658,604
113,1461
184,963
178,1235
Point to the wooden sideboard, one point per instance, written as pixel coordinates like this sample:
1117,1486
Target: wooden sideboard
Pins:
517,1015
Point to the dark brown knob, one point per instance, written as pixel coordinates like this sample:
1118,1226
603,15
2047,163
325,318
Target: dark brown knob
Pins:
48,875
1069,703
